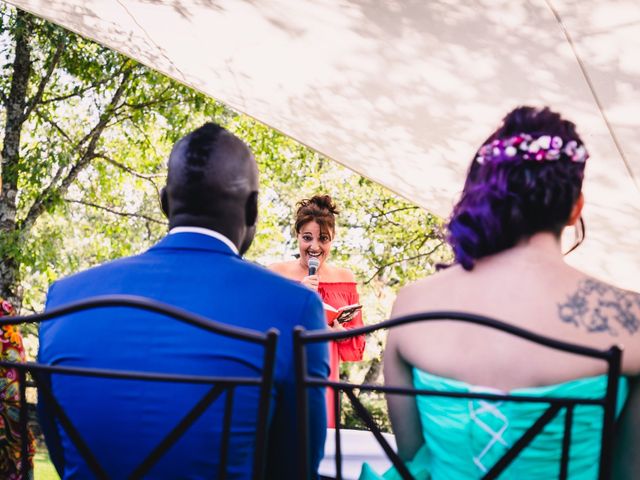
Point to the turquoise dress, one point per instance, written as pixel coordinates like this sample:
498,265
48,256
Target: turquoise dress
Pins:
464,438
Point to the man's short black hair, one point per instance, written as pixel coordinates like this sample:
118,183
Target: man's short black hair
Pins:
200,144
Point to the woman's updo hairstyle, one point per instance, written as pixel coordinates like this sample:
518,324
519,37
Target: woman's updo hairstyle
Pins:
525,179
319,209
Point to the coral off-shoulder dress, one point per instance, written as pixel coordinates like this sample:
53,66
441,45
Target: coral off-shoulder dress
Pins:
339,294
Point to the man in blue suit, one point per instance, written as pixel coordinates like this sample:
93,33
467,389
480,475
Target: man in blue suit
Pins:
211,202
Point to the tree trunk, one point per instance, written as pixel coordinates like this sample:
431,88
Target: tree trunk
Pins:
373,374
15,106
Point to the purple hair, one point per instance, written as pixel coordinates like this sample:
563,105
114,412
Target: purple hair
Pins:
510,199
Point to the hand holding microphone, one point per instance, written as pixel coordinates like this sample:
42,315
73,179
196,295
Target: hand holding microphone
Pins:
311,281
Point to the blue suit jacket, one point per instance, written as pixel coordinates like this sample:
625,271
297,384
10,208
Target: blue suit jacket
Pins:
123,421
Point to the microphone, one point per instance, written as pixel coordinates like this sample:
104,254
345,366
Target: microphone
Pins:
313,263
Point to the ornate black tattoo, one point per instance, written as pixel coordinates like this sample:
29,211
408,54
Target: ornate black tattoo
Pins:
601,308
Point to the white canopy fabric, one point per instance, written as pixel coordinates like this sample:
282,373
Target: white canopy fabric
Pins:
404,91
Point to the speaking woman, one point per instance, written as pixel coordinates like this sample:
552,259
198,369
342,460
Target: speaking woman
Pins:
315,229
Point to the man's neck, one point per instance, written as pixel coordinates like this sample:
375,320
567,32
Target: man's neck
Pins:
205,231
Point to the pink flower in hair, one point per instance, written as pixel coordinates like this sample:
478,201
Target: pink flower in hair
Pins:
571,147
544,142
553,154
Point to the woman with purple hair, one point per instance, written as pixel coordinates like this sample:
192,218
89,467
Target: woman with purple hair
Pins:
522,189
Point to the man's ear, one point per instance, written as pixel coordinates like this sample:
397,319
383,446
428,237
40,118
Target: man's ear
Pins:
164,201
251,210
576,211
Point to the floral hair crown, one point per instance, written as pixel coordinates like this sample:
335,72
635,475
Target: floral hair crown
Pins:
541,149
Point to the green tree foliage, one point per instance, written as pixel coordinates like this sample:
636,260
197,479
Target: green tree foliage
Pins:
81,126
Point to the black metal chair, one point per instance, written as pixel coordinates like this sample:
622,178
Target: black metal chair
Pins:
219,384
612,357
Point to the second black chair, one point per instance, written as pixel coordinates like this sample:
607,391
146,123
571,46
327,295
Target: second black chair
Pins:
555,405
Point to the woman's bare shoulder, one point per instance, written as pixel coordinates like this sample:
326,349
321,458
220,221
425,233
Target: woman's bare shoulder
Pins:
283,268
440,279
595,284
344,275
427,292
331,273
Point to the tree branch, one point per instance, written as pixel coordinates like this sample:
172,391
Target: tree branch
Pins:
158,100
48,194
119,119
422,238
53,123
116,212
409,259
122,166
80,92
126,168
110,109
384,214
53,63
373,373
422,241
146,138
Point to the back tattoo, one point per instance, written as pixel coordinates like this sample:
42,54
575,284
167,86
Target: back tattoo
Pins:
601,308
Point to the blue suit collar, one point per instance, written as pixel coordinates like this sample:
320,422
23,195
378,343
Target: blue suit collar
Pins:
193,241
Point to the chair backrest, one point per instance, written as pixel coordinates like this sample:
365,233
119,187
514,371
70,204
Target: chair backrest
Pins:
612,357
263,381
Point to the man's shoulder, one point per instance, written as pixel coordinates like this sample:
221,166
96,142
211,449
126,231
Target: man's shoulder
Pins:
113,265
71,286
275,279
284,299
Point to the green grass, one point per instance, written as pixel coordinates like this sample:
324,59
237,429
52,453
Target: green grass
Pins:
43,468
